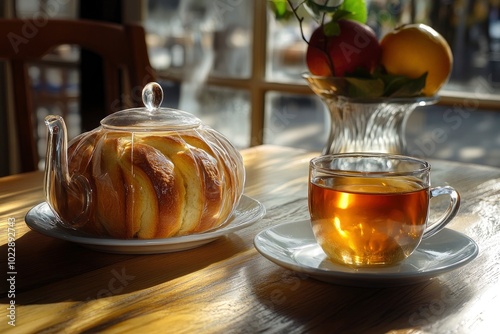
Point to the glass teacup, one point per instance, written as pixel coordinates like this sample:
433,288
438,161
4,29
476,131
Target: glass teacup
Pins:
370,209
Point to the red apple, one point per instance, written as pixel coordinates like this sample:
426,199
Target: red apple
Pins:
355,47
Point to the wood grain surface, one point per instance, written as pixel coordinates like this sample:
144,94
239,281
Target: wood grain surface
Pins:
226,286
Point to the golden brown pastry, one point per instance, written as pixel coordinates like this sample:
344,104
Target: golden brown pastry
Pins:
146,185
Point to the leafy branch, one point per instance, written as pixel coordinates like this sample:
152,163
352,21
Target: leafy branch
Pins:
320,11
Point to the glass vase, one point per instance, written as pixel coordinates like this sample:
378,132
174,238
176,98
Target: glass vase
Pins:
364,124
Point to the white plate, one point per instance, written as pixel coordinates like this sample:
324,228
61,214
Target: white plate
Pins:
41,219
292,245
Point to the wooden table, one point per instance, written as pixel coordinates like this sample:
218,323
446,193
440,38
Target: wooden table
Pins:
227,287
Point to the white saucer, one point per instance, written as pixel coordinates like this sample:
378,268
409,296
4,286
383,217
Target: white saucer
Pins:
41,219
292,245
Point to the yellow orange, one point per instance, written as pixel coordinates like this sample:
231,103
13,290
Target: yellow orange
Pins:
415,49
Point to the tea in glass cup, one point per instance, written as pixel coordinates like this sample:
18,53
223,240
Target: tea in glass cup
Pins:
371,209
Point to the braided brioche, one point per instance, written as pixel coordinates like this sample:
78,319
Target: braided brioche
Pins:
150,186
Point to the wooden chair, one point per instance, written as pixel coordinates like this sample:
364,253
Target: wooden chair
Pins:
126,66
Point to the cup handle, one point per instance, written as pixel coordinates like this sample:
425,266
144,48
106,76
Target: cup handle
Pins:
450,212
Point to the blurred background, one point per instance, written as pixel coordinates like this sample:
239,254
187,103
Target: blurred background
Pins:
231,63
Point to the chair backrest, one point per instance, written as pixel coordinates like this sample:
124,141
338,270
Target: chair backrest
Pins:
122,49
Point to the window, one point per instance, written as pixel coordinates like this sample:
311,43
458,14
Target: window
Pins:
270,56
194,43
234,65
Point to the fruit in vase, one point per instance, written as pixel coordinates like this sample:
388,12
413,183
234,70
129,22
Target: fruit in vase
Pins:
415,49
346,55
352,49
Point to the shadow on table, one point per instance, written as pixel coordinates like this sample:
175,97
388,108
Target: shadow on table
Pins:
51,270
300,300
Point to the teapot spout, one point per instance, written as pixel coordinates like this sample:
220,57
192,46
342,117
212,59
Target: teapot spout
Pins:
68,195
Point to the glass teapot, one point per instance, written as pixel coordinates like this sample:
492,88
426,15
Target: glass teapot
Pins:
144,173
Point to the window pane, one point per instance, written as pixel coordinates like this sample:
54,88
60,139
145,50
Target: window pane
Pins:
197,38
295,120
286,50
460,133
225,110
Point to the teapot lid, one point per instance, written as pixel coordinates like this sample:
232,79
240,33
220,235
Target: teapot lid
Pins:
152,117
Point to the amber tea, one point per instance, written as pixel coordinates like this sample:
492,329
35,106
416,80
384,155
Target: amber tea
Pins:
372,221
372,209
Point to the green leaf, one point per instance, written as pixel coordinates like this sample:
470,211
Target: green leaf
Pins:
331,28
365,88
280,9
402,86
357,8
341,14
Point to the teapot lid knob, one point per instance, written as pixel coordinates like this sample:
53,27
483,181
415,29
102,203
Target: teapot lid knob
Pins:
152,116
152,96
